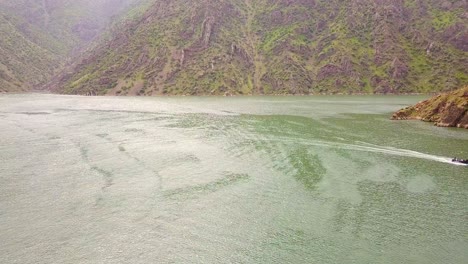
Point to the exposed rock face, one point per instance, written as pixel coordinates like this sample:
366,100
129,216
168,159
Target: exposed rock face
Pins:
446,110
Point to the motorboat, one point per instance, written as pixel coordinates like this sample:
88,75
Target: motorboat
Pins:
462,161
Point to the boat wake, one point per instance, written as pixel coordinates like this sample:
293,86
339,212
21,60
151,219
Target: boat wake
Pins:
406,153
367,147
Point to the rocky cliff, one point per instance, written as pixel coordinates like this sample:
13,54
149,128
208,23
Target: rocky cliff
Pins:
447,110
278,47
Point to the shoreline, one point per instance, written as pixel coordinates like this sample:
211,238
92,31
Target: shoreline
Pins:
230,95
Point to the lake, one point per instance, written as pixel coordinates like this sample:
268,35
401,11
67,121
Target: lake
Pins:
324,179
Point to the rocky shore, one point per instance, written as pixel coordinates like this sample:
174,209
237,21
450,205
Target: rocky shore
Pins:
445,110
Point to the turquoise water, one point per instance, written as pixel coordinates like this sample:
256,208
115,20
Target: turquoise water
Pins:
326,179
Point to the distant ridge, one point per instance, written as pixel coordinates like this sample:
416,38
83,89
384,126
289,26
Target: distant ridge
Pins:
38,36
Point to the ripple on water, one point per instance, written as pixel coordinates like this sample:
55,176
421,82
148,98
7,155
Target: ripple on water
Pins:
180,181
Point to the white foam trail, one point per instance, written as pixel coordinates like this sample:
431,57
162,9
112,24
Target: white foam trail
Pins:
367,147
410,153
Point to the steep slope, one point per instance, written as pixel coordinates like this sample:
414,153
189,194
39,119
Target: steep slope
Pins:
447,110
279,47
22,61
37,36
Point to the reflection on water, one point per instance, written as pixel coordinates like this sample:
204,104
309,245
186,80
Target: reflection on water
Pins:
243,180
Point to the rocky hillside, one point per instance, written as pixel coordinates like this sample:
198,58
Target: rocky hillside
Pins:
36,36
447,110
279,47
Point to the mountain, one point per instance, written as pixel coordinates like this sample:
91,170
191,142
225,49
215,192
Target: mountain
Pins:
37,36
278,47
447,110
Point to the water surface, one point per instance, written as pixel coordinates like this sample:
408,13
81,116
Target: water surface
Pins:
228,180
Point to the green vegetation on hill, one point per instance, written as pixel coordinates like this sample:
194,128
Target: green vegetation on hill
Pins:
233,47
37,36
22,61
278,47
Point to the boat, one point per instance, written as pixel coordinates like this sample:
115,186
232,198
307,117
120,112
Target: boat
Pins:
462,161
